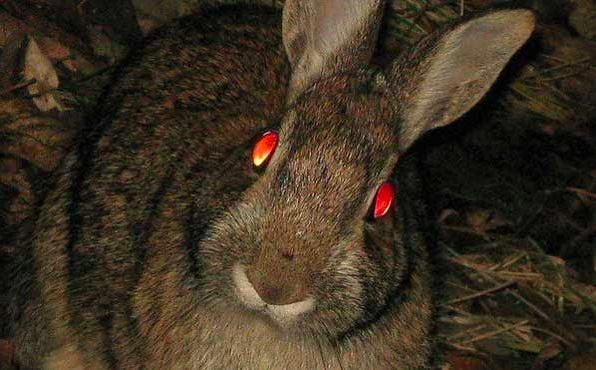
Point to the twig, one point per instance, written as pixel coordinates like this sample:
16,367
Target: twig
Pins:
532,306
532,276
458,310
459,286
466,230
562,76
538,101
568,343
482,293
462,348
563,60
585,326
466,332
509,262
555,68
494,333
487,275
18,86
587,193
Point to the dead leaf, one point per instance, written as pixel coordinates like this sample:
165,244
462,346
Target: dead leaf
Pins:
446,214
80,64
147,24
587,289
8,26
551,349
582,361
40,140
6,352
104,46
53,49
11,58
460,362
31,146
39,68
14,177
583,18
482,220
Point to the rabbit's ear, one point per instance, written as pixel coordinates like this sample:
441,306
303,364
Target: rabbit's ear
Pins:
323,37
445,75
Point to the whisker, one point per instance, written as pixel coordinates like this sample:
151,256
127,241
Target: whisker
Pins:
320,347
335,350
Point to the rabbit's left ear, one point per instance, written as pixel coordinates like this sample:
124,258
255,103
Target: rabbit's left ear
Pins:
445,75
325,37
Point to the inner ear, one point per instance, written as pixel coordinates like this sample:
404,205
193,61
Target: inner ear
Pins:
450,72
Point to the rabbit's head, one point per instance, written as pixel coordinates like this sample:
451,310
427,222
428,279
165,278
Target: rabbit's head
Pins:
317,244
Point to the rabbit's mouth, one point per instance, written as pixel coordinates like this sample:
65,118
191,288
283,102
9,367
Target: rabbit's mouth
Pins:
282,314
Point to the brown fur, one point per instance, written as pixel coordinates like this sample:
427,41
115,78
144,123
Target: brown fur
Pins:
133,250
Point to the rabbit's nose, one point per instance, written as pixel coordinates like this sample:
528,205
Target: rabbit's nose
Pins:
274,290
284,303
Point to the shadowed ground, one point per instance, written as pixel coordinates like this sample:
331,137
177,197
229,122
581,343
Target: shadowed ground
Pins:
512,186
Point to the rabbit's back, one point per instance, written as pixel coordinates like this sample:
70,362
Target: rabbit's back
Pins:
160,162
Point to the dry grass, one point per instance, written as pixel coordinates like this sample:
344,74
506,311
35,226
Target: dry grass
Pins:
519,290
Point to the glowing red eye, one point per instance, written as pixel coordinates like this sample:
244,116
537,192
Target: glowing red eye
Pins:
264,148
383,200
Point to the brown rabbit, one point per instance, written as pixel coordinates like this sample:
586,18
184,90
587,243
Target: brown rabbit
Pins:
241,205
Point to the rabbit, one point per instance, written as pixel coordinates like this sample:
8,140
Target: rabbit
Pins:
245,198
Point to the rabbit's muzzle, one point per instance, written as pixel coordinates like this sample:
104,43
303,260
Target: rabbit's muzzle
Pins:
280,302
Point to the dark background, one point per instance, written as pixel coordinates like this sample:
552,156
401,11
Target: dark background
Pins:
512,185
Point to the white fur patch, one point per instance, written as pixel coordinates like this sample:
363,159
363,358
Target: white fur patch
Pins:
282,314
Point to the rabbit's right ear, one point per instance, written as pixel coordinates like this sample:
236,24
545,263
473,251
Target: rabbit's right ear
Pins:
445,75
326,37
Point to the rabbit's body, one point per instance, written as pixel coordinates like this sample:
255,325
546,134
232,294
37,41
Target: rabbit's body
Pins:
159,235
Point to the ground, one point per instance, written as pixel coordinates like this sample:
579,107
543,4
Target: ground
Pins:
512,186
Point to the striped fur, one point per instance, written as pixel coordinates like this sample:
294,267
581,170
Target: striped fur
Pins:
133,252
